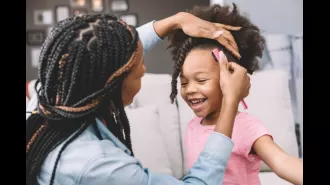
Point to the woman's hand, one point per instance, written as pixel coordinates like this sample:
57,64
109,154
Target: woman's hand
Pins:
196,27
234,80
235,85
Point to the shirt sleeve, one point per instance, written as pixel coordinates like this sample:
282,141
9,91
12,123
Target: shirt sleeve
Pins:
117,168
148,36
251,130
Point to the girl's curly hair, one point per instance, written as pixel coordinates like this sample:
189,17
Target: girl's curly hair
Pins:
249,39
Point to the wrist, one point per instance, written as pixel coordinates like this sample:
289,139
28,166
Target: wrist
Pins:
166,26
230,102
227,118
178,20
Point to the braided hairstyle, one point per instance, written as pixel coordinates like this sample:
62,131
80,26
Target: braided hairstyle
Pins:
249,40
82,65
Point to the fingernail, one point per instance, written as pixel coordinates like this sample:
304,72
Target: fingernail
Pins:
222,57
217,34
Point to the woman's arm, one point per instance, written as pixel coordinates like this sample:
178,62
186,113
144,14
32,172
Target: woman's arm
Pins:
153,32
285,166
117,168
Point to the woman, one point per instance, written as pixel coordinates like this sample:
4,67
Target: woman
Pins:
90,68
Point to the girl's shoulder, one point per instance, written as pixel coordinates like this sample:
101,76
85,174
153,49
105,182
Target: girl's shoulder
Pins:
245,119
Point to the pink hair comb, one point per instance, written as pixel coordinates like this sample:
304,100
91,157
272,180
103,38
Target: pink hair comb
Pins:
215,54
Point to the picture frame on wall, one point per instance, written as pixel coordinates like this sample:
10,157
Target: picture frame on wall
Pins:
35,37
43,17
130,19
119,5
62,12
78,3
35,53
97,6
77,12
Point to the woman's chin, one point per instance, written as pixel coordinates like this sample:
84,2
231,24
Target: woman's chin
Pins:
127,102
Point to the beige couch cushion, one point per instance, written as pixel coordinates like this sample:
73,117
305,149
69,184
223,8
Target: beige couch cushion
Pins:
170,128
155,91
270,178
147,142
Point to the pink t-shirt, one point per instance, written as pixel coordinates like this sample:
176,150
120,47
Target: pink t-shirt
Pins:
242,168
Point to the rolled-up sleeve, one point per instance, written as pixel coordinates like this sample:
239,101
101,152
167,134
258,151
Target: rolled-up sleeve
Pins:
117,168
148,36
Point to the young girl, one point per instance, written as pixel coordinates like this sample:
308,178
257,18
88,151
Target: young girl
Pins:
199,76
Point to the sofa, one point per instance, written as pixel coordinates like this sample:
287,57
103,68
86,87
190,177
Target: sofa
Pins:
157,126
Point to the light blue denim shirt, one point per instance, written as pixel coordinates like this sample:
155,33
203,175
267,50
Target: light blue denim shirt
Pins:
90,161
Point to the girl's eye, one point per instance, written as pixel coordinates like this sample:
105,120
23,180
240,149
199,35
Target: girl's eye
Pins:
184,84
202,80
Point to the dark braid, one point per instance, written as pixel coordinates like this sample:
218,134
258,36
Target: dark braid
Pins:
179,58
82,66
249,40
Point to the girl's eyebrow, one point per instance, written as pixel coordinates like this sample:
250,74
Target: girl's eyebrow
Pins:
200,72
195,73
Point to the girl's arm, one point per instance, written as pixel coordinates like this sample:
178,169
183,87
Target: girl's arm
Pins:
285,166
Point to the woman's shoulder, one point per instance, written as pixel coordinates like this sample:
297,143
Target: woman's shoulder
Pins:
76,157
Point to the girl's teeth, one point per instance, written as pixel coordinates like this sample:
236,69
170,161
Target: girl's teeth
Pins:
196,101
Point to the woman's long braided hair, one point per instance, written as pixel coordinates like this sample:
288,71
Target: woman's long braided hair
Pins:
81,69
249,40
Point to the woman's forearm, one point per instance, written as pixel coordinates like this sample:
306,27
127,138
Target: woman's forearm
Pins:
166,26
153,32
227,117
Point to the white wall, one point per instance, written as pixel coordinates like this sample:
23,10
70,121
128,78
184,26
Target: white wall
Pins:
274,16
220,2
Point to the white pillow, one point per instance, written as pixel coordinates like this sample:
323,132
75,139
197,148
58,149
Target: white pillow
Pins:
270,101
147,141
155,90
185,116
170,128
270,178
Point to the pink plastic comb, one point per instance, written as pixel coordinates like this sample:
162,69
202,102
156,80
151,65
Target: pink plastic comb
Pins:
215,54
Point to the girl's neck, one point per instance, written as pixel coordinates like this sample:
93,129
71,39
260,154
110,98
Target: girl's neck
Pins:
212,118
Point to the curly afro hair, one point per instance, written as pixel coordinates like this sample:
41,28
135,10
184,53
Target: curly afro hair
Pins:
249,40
